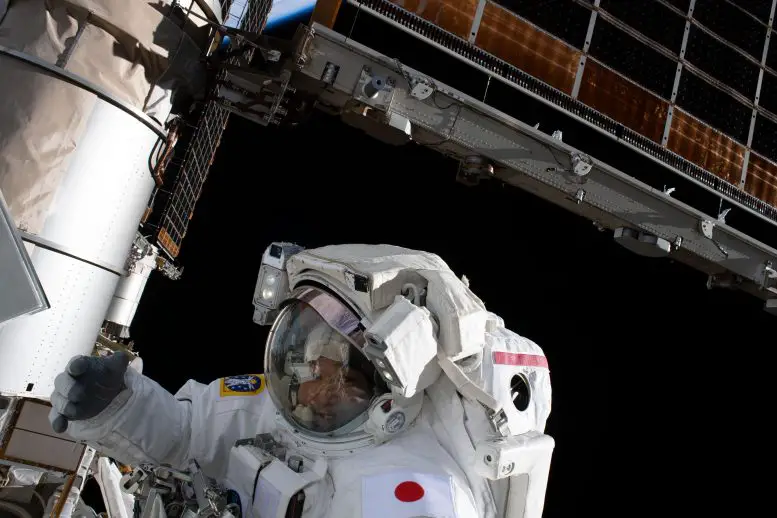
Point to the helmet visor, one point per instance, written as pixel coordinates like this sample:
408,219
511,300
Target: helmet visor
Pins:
314,374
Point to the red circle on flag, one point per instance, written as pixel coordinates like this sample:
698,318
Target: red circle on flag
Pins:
409,492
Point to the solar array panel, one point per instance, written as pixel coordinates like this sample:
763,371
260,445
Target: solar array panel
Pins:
248,15
689,82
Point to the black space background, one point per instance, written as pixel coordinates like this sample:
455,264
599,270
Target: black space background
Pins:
659,385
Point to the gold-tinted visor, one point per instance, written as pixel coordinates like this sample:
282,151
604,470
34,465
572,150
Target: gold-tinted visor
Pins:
314,368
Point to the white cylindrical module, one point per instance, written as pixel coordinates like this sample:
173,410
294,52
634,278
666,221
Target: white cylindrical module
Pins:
85,84
129,291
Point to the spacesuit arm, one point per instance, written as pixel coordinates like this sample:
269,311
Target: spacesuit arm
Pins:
143,424
147,424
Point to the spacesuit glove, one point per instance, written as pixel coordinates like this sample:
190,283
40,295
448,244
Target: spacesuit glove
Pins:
86,388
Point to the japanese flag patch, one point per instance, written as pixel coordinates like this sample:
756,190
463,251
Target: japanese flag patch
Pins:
408,494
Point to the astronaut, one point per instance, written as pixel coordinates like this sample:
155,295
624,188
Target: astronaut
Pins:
388,391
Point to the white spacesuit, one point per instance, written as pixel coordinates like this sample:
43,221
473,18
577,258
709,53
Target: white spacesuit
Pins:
388,391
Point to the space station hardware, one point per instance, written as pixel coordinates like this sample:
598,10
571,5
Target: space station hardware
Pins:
23,293
771,306
258,89
662,58
141,261
45,472
644,244
203,117
356,73
473,169
345,64
77,195
163,491
398,104
90,115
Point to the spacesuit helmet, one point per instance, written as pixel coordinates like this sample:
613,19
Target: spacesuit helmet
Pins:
316,375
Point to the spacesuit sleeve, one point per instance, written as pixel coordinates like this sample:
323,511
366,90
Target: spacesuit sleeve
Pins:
147,424
143,424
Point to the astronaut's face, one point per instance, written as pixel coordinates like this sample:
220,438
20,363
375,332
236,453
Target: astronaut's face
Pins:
316,376
336,393
323,367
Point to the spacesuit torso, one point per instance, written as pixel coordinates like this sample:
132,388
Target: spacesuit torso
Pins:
222,416
443,420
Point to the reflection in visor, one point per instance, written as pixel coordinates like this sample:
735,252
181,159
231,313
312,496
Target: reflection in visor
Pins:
316,375
332,311
337,396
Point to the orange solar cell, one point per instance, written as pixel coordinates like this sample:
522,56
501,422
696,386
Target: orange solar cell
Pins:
706,147
761,179
626,102
455,17
519,43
